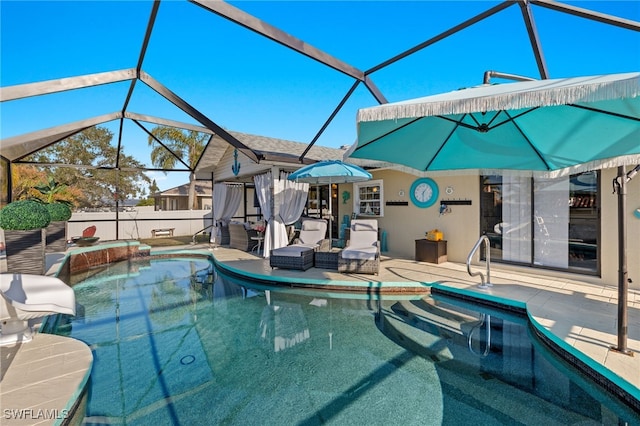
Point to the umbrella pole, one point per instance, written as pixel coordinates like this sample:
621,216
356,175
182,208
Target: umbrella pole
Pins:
330,215
619,185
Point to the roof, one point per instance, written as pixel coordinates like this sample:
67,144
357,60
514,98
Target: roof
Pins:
270,149
204,188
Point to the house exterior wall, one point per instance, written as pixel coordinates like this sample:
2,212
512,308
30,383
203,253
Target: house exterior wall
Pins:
405,224
173,202
461,227
224,170
609,226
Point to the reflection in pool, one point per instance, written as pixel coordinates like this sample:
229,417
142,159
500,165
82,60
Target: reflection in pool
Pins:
175,342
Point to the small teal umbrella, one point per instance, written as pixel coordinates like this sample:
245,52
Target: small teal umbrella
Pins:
328,172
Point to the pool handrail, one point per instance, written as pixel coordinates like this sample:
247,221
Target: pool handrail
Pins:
487,255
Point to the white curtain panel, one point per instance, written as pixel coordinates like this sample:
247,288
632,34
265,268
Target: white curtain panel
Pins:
264,187
290,200
516,218
226,200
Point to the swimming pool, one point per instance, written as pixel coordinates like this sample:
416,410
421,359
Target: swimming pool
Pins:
176,343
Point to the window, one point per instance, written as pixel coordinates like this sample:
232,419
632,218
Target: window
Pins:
369,198
552,223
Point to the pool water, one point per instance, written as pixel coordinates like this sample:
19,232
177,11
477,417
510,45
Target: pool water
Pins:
177,343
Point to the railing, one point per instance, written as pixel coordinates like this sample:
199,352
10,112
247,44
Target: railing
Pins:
484,320
193,238
487,256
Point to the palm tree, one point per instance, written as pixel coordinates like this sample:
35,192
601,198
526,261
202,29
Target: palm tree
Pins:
178,145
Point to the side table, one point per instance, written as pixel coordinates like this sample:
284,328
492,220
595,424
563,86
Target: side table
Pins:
327,259
259,245
431,251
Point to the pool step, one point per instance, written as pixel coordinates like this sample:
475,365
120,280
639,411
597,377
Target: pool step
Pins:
422,343
428,314
431,330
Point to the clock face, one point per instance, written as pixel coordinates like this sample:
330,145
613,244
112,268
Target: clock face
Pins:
424,192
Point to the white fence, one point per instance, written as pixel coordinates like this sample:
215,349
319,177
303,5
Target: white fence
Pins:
140,223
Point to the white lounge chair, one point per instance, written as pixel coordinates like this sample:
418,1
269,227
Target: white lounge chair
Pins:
25,297
362,253
313,234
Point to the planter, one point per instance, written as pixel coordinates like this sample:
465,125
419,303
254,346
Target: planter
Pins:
25,251
56,239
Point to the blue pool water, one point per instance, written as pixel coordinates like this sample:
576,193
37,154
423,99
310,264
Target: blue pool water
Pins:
176,345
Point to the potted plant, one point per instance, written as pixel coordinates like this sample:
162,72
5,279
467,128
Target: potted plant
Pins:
23,223
56,232
60,212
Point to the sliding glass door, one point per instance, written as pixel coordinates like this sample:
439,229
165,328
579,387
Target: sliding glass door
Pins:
551,223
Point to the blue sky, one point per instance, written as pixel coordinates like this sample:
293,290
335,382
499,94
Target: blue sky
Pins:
247,83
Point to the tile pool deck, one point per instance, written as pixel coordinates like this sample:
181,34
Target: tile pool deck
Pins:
577,315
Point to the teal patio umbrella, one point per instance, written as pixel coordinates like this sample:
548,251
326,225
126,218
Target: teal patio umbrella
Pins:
539,125
329,172
560,126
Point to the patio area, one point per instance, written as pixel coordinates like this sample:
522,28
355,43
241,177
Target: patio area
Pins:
574,314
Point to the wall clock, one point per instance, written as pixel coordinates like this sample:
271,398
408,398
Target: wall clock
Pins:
424,192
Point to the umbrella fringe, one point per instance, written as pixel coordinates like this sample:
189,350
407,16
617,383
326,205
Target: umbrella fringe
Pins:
532,94
627,160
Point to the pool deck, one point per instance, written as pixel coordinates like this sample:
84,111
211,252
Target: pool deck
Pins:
579,316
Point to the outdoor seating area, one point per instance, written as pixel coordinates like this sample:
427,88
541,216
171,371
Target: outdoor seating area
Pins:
361,254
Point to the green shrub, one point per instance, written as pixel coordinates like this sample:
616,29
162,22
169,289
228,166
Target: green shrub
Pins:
59,212
24,215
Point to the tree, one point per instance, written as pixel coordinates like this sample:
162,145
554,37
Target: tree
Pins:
51,190
146,202
24,179
30,182
186,145
92,147
153,188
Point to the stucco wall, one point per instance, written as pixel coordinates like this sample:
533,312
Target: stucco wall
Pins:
610,229
461,227
405,224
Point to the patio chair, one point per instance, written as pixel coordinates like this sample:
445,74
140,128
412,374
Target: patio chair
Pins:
88,237
313,234
240,237
25,299
299,255
362,252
